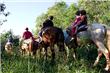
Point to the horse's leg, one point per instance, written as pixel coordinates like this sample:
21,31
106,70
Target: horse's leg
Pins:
53,51
30,47
46,52
108,40
74,47
75,40
104,50
62,49
40,52
98,57
34,49
74,54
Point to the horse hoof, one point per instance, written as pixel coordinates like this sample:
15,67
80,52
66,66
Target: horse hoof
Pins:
74,57
106,69
95,63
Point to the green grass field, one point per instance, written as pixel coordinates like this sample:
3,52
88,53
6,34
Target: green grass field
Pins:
85,58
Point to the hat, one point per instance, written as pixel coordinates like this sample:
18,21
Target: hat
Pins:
51,17
26,28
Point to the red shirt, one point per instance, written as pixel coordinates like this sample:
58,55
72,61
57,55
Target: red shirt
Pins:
77,20
27,35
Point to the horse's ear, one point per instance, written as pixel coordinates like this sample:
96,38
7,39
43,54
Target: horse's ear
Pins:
43,33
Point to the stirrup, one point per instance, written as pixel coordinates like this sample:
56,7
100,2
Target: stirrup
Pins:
72,39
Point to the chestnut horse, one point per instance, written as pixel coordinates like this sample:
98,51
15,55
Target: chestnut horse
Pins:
28,47
52,36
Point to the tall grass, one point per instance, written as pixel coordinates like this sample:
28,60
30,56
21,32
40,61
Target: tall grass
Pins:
85,58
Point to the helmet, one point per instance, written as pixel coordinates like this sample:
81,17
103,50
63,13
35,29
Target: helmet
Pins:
51,17
26,28
10,35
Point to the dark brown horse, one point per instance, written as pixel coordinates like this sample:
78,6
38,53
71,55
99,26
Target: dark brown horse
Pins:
52,36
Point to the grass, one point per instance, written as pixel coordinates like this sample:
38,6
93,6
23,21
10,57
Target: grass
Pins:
85,57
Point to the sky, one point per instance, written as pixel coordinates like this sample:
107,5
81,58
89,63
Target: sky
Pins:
23,13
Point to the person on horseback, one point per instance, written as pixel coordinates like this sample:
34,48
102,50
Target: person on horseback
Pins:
9,44
80,23
47,23
27,40
10,40
76,23
27,35
83,24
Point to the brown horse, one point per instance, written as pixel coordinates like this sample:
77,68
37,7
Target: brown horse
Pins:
96,33
28,47
52,36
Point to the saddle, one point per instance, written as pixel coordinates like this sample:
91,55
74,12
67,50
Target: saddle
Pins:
80,29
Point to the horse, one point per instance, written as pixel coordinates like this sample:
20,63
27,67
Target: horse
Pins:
52,36
28,47
96,33
69,40
9,47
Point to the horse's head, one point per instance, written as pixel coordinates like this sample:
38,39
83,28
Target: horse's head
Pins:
69,30
49,35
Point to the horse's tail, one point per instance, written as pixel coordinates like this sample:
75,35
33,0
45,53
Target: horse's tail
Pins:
105,31
61,35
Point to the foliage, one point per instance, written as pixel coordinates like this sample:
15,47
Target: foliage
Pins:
4,36
85,57
63,15
98,11
3,12
58,11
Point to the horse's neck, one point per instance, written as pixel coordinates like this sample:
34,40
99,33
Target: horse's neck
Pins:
38,39
8,42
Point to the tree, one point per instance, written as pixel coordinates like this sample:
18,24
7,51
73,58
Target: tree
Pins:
2,9
70,15
4,36
98,11
63,15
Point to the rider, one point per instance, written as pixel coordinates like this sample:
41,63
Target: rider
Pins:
47,23
10,39
27,35
80,23
83,24
76,22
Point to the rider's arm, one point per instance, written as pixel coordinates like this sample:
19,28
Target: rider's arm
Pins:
77,22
